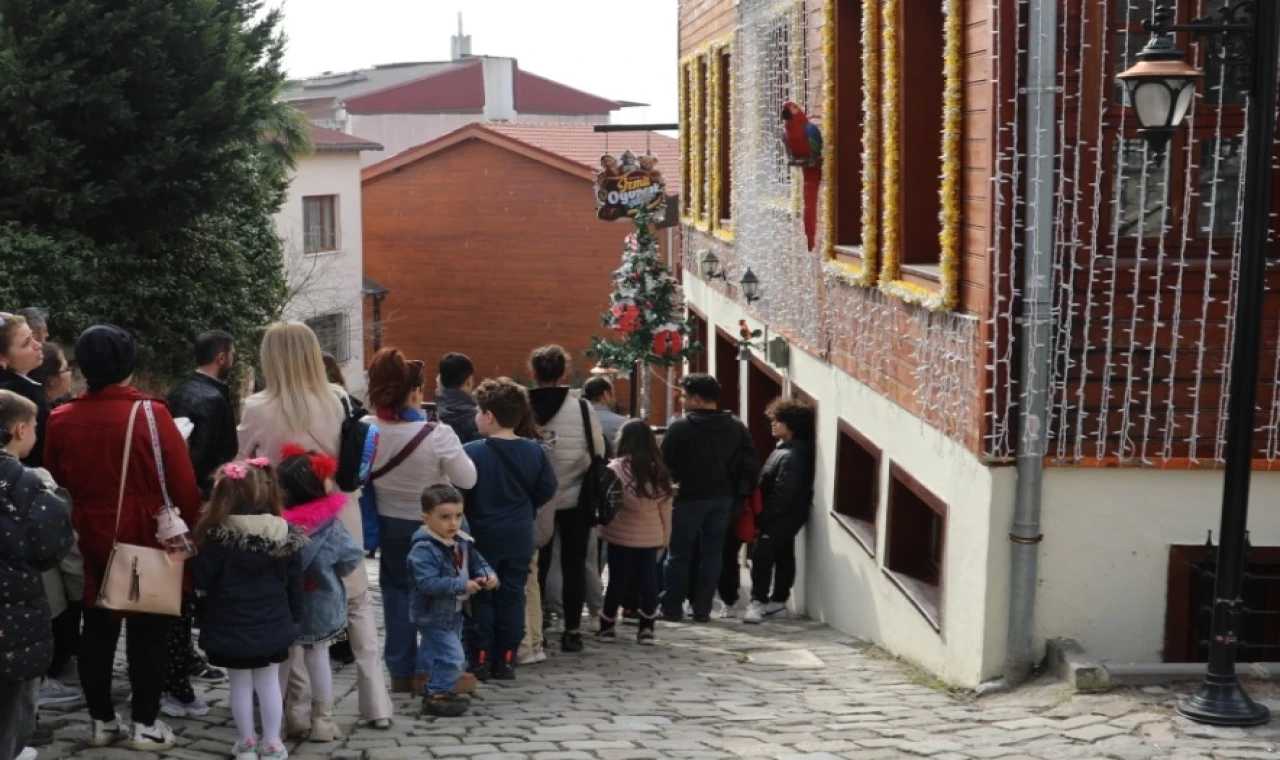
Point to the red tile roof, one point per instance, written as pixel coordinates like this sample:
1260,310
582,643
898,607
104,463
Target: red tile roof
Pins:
575,148
582,144
326,140
461,89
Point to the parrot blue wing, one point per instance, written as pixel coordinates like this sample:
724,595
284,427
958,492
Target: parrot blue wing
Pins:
814,136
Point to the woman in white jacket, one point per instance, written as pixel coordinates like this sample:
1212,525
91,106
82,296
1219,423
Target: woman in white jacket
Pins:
300,406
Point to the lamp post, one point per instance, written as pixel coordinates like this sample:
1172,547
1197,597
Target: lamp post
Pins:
1243,35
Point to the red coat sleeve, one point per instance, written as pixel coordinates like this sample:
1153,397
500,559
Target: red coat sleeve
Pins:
180,476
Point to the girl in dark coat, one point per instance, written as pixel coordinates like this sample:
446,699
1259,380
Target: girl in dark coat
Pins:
786,487
250,568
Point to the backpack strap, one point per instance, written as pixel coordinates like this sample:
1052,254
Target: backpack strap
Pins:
586,428
404,453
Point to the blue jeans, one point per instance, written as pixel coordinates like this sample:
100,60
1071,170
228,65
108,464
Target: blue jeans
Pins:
703,523
499,614
632,568
441,655
400,648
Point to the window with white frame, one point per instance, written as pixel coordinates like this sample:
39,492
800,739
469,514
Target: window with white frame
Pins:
320,223
331,331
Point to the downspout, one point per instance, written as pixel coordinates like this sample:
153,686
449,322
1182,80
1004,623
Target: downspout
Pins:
1037,290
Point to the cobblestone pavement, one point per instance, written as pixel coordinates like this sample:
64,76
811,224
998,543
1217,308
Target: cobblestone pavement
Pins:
789,689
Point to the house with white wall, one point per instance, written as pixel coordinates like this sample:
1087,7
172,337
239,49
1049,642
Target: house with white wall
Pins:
404,105
323,241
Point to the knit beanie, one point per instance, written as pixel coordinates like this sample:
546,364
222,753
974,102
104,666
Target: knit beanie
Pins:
106,355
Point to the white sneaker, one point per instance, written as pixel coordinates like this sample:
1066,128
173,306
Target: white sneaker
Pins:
176,709
246,750
776,611
277,752
728,612
27,753
755,613
107,732
54,692
156,737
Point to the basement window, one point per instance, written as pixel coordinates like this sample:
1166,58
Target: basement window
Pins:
857,486
916,535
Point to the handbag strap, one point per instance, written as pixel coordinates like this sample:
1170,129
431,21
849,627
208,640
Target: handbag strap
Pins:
124,465
586,428
510,466
404,453
155,447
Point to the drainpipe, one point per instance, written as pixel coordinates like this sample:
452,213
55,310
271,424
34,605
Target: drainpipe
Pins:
1024,534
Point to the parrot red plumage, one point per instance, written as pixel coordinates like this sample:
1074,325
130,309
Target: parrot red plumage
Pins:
804,145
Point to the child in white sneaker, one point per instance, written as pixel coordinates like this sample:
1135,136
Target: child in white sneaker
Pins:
35,532
250,568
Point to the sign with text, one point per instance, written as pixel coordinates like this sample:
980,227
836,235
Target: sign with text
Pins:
627,186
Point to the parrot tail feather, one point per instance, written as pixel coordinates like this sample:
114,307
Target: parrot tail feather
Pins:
812,181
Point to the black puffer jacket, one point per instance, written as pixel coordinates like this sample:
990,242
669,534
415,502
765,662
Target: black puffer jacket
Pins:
251,570
787,488
457,409
207,403
35,533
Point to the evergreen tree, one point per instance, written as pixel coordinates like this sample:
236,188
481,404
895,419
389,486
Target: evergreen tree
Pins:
144,157
646,309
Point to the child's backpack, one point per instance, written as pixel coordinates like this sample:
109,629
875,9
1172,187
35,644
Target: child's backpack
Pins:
357,445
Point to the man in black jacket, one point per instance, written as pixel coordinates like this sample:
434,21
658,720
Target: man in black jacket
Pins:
454,405
205,400
714,462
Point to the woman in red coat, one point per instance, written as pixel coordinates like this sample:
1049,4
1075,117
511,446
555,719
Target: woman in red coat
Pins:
86,439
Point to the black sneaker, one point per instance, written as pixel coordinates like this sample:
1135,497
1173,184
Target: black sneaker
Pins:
482,672
702,618
608,629
444,705
673,616
645,634
571,641
505,669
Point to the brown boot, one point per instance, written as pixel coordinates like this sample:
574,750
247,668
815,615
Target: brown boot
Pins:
420,684
405,686
467,684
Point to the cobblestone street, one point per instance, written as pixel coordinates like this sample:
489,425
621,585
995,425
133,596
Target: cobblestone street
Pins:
789,689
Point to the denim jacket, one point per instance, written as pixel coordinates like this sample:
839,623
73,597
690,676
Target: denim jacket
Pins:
439,584
332,555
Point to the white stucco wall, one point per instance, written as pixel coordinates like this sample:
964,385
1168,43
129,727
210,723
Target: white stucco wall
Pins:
841,583
1105,557
328,282
400,132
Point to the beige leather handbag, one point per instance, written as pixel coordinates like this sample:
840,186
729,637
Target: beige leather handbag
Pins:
140,578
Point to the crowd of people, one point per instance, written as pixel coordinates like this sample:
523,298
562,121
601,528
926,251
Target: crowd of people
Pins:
490,509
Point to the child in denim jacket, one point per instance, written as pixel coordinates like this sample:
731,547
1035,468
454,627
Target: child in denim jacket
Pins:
446,569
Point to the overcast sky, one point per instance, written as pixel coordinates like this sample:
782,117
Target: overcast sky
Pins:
622,51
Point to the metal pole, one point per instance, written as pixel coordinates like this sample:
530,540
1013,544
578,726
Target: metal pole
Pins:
1037,321
1221,700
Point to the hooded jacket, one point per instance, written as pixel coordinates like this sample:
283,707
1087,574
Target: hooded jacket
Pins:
787,488
331,555
439,583
35,532
206,401
558,412
457,409
250,568
711,456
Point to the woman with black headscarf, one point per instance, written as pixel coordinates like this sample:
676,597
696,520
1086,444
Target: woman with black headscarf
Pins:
85,435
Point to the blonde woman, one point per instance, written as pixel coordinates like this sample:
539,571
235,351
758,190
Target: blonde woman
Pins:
300,406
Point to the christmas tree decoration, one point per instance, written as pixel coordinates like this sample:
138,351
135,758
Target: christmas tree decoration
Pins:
647,309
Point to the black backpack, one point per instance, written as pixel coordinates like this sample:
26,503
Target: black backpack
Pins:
601,494
357,446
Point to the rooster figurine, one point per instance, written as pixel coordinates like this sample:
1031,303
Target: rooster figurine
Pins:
804,146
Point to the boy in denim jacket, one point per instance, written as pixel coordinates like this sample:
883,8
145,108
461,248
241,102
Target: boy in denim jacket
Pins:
446,569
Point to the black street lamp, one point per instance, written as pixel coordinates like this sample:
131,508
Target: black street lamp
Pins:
1244,35
750,286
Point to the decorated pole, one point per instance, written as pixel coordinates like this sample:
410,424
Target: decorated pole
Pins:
646,309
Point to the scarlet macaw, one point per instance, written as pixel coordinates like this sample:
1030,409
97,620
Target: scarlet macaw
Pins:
804,144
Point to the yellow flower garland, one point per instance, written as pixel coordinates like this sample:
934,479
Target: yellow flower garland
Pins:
947,296
686,156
